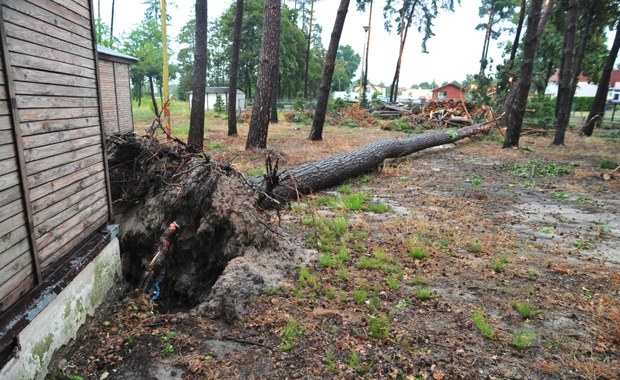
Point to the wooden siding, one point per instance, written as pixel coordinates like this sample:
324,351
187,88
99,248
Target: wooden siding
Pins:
15,259
115,96
53,135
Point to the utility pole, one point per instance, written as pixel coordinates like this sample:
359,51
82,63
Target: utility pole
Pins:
164,36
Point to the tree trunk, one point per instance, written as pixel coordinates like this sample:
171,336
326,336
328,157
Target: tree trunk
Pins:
544,18
248,83
153,98
487,42
308,50
517,100
234,71
403,38
316,133
598,104
365,84
563,103
195,137
581,53
259,124
314,176
112,24
274,99
515,44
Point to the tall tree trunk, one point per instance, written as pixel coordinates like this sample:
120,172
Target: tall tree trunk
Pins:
153,98
308,50
248,83
598,104
581,53
544,18
274,99
517,100
487,42
365,82
269,55
316,133
515,44
234,71
195,138
314,176
112,23
566,73
404,29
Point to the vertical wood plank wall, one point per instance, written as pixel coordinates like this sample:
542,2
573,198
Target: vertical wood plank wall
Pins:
115,96
51,60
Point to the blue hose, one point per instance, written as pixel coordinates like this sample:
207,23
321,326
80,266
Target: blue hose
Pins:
157,290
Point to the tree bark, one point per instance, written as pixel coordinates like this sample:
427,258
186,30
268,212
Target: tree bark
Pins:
581,52
270,46
365,84
517,100
234,71
308,50
153,98
404,29
544,18
563,103
515,44
487,42
598,104
316,133
276,93
314,176
195,137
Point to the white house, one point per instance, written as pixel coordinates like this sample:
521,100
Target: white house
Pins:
585,88
211,94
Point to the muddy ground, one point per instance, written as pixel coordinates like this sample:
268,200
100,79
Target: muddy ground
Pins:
471,272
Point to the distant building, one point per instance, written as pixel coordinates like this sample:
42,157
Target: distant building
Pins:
449,91
211,94
115,90
585,88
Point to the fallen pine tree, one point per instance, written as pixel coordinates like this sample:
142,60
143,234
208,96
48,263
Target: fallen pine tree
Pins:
306,178
227,250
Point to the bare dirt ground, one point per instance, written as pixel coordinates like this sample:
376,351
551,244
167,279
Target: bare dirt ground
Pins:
476,269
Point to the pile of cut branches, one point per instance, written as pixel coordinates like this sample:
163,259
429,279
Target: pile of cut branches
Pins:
451,113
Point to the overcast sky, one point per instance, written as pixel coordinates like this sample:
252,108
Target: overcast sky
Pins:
454,51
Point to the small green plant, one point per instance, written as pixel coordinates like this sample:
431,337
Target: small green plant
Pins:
393,282
603,228
308,278
403,304
378,207
532,274
379,326
500,263
354,202
419,253
255,172
475,179
168,349
345,189
474,247
561,195
608,164
74,377
360,296
483,325
528,185
328,260
523,339
525,309
289,335
330,360
546,230
583,244
452,133
535,169
219,104
216,145
425,294
356,363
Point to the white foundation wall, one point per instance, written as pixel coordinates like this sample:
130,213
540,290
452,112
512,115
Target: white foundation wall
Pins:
59,322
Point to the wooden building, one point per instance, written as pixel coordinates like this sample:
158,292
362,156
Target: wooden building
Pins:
449,91
54,192
211,94
115,90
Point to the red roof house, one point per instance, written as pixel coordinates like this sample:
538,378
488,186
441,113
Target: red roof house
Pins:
449,91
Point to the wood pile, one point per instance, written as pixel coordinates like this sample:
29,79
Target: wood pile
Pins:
451,113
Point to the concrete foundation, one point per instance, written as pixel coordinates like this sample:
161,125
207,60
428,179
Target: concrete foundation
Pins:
59,322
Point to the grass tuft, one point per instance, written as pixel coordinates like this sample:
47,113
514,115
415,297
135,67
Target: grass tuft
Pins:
483,325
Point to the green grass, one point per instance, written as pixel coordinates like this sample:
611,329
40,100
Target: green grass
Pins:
608,164
356,363
255,172
393,282
425,294
360,296
473,247
483,325
328,260
419,253
523,339
355,202
378,207
379,326
330,360
345,189
291,331
526,310
537,169
308,278
500,263
475,179
561,195
583,244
